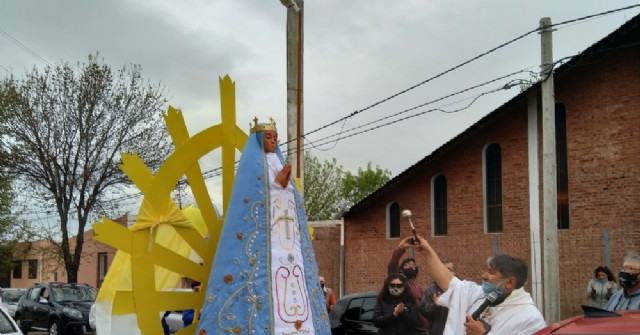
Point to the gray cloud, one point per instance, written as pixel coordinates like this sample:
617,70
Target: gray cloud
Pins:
356,53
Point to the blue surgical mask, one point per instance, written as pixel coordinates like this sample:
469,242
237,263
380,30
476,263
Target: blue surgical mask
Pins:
487,287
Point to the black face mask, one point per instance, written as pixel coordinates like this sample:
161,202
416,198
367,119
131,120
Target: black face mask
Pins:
627,280
322,285
410,273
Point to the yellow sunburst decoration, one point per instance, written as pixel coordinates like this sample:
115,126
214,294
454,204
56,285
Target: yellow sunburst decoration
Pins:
166,243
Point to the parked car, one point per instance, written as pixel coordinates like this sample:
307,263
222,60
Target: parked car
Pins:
7,325
59,308
174,319
596,321
10,298
353,314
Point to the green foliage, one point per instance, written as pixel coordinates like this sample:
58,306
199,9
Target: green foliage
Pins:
64,131
322,182
12,230
328,189
356,187
6,220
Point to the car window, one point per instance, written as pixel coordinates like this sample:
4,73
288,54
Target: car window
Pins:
6,326
338,309
44,293
12,296
34,293
367,309
354,309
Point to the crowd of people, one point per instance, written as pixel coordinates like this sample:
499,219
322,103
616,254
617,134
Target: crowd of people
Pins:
500,305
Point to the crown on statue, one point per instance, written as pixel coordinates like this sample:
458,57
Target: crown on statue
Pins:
263,126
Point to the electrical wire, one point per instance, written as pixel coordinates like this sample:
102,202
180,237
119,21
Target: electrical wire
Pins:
24,47
218,171
537,29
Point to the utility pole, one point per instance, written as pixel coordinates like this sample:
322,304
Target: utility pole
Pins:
549,179
295,129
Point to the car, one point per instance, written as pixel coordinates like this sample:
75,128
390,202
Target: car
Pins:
596,321
7,325
174,319
353,314
59,308
10,298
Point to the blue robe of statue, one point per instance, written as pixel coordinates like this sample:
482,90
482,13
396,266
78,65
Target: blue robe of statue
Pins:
264,278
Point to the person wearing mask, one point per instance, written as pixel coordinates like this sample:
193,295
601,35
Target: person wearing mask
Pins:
409,269
601,287
396,312
329,297
511,312
429,308
628,298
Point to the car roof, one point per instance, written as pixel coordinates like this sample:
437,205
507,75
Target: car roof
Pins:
360,295
627,322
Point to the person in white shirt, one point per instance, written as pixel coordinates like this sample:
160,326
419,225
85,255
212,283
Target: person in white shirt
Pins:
512,313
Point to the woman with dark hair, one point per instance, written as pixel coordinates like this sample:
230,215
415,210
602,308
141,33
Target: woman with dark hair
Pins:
396,312
601,287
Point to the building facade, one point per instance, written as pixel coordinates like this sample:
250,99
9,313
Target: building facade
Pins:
40,261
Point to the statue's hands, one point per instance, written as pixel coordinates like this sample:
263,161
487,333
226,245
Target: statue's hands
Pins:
282,178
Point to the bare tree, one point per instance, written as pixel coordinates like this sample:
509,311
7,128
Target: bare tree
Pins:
65,132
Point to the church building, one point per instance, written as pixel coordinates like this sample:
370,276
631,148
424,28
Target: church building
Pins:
482,191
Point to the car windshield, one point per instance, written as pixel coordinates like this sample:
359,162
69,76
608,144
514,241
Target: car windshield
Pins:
6,326
74,293
12,295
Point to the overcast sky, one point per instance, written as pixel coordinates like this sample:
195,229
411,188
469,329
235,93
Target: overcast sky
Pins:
356,53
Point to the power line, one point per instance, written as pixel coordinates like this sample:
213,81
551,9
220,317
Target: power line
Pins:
506,86
24,47
474,99
9,73
463,64
594,15
218,171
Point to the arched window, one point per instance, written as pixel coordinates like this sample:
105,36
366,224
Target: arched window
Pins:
439,205
393,220
562,168
493,188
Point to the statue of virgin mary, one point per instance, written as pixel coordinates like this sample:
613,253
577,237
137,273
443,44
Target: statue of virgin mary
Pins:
264,278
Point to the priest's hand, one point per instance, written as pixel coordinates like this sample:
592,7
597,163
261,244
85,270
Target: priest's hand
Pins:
474,327
282,178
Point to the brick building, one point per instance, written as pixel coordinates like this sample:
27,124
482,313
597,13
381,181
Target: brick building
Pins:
481,192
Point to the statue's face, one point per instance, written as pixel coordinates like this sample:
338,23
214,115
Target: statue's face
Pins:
270,141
